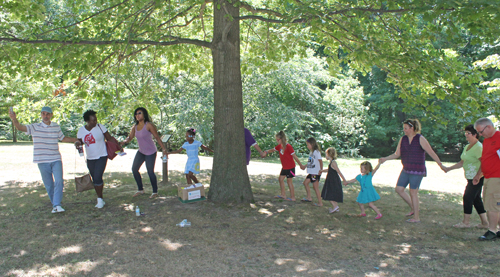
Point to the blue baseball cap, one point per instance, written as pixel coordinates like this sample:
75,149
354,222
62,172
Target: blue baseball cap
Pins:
47,109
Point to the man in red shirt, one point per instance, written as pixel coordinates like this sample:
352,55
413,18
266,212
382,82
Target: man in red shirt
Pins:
490,168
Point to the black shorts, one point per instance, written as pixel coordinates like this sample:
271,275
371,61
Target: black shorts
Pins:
289,173
313,178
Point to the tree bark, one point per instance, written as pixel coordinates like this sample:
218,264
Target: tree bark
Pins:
14,133
229,182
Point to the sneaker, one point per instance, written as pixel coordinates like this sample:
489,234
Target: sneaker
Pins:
379,216
489,235
57,209
100,203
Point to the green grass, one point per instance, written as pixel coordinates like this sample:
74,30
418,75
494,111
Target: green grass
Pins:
267,238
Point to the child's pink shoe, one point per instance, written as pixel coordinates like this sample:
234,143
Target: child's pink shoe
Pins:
379,216
361,215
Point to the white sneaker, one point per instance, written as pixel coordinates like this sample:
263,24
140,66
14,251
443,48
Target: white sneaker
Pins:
57,209
100,203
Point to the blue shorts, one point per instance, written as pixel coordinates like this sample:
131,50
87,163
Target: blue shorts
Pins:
413,179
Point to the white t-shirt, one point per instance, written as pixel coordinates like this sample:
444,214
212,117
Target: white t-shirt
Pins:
94,141
313,163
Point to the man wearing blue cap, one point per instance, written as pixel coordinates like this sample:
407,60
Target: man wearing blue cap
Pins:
46,153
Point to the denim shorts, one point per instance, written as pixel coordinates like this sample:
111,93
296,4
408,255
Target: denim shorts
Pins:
413,179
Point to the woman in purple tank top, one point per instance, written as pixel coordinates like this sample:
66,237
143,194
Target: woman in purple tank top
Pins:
144,130
411,148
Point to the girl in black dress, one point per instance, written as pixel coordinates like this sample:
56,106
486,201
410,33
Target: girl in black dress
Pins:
332,190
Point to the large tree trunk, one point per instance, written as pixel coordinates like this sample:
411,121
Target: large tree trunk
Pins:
229,182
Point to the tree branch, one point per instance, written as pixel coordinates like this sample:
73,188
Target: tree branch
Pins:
175,41
99,66
338,40
253,10
78,22
130,89
175,16
202,10
264,19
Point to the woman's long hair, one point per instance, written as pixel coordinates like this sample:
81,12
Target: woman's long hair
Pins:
144,113
281,135
314,144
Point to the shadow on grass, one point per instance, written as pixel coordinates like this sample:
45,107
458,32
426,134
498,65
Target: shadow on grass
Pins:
268,238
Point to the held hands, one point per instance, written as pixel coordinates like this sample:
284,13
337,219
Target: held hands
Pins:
263,154
77,144
303,167
444,168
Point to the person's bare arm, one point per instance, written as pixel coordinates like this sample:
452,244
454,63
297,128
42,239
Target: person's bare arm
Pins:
396,154
478,176
206,148
349,182
130,137
68,139
320,165
266,152
108,137
176,151
455,166
16,123
256,146
427,148
334,165
375,169
297,160
152,129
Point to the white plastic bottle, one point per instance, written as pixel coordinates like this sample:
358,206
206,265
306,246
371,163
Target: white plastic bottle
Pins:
184,223
137,211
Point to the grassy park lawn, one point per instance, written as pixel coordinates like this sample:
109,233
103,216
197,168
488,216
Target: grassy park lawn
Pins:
268,238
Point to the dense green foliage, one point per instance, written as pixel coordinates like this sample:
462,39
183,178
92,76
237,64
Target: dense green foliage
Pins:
300,96
116,55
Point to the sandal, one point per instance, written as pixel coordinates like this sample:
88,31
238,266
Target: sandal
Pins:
305,200
481,226
138,193
279,197
461,225
317,205
333,210
379,216
361,215
410,214
412,220
154,195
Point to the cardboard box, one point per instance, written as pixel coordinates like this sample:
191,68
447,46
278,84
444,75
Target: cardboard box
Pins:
190,194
